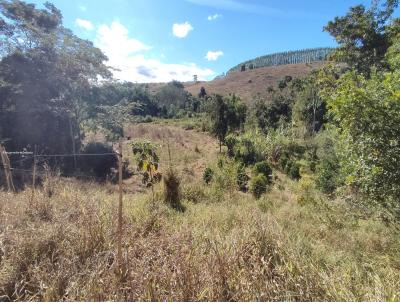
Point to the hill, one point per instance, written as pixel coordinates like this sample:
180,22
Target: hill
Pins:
284,58
249,83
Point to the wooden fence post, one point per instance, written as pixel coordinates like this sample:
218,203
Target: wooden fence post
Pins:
119,243
34,174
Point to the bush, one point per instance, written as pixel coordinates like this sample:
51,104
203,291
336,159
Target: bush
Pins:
262,168
230,142
172,190
328,175
242,178
246,152
294,171
98,166
208,175
258,185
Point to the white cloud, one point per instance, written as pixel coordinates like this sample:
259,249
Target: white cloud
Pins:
181,30
214,55
86,24
128,56
214,17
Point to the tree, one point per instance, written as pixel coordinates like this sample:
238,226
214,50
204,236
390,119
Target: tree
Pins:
310,109
45,72
173,96
368,113
202,93
219,119
362,36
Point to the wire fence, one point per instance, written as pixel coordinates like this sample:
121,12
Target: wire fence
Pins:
21,167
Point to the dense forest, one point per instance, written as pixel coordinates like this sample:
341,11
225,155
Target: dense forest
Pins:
294,196
283,58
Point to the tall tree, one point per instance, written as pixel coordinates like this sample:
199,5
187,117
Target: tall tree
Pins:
45,73
362,36
219,119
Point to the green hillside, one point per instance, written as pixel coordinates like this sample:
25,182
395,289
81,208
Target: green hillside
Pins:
284,58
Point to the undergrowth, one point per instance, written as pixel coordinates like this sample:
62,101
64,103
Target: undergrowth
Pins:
229,247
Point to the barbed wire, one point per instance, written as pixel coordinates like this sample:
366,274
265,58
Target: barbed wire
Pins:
61,155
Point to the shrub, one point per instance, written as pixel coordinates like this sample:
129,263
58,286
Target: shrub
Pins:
147,119
242,178
258,185
262,168
208,175
230,142
306,194
98,166
246,152
172,190
328,175
294,171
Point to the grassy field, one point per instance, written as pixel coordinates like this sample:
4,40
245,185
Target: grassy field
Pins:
291,245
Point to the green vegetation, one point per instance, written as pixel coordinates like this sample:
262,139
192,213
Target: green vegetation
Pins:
294,196
289,57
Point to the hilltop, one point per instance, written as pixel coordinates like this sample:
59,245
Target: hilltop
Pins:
249,83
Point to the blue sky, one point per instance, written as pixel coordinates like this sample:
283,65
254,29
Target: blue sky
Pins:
161,40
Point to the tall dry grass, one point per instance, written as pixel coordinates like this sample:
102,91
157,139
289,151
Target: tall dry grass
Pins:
237,249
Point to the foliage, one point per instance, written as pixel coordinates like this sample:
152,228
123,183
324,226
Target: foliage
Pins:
262,168
293,170
100,166
147,160
231,141
45,71
309,110
246,151
208,175
290,57
242,178
368,112
362,36
172,192
328,175
227,115
258,185
219,119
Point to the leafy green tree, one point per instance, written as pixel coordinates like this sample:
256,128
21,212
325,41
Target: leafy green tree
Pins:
368,112
174,97
45,71
310,109
362,36
219,119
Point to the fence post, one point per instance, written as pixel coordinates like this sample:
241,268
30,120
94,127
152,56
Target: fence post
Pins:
34,174
119,243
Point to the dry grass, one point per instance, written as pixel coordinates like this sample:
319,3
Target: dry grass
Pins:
63,248
249,83
290,245
191,151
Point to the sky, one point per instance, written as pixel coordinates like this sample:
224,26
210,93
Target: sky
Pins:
164,40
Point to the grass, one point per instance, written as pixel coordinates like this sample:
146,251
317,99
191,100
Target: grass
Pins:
290,245
238,249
